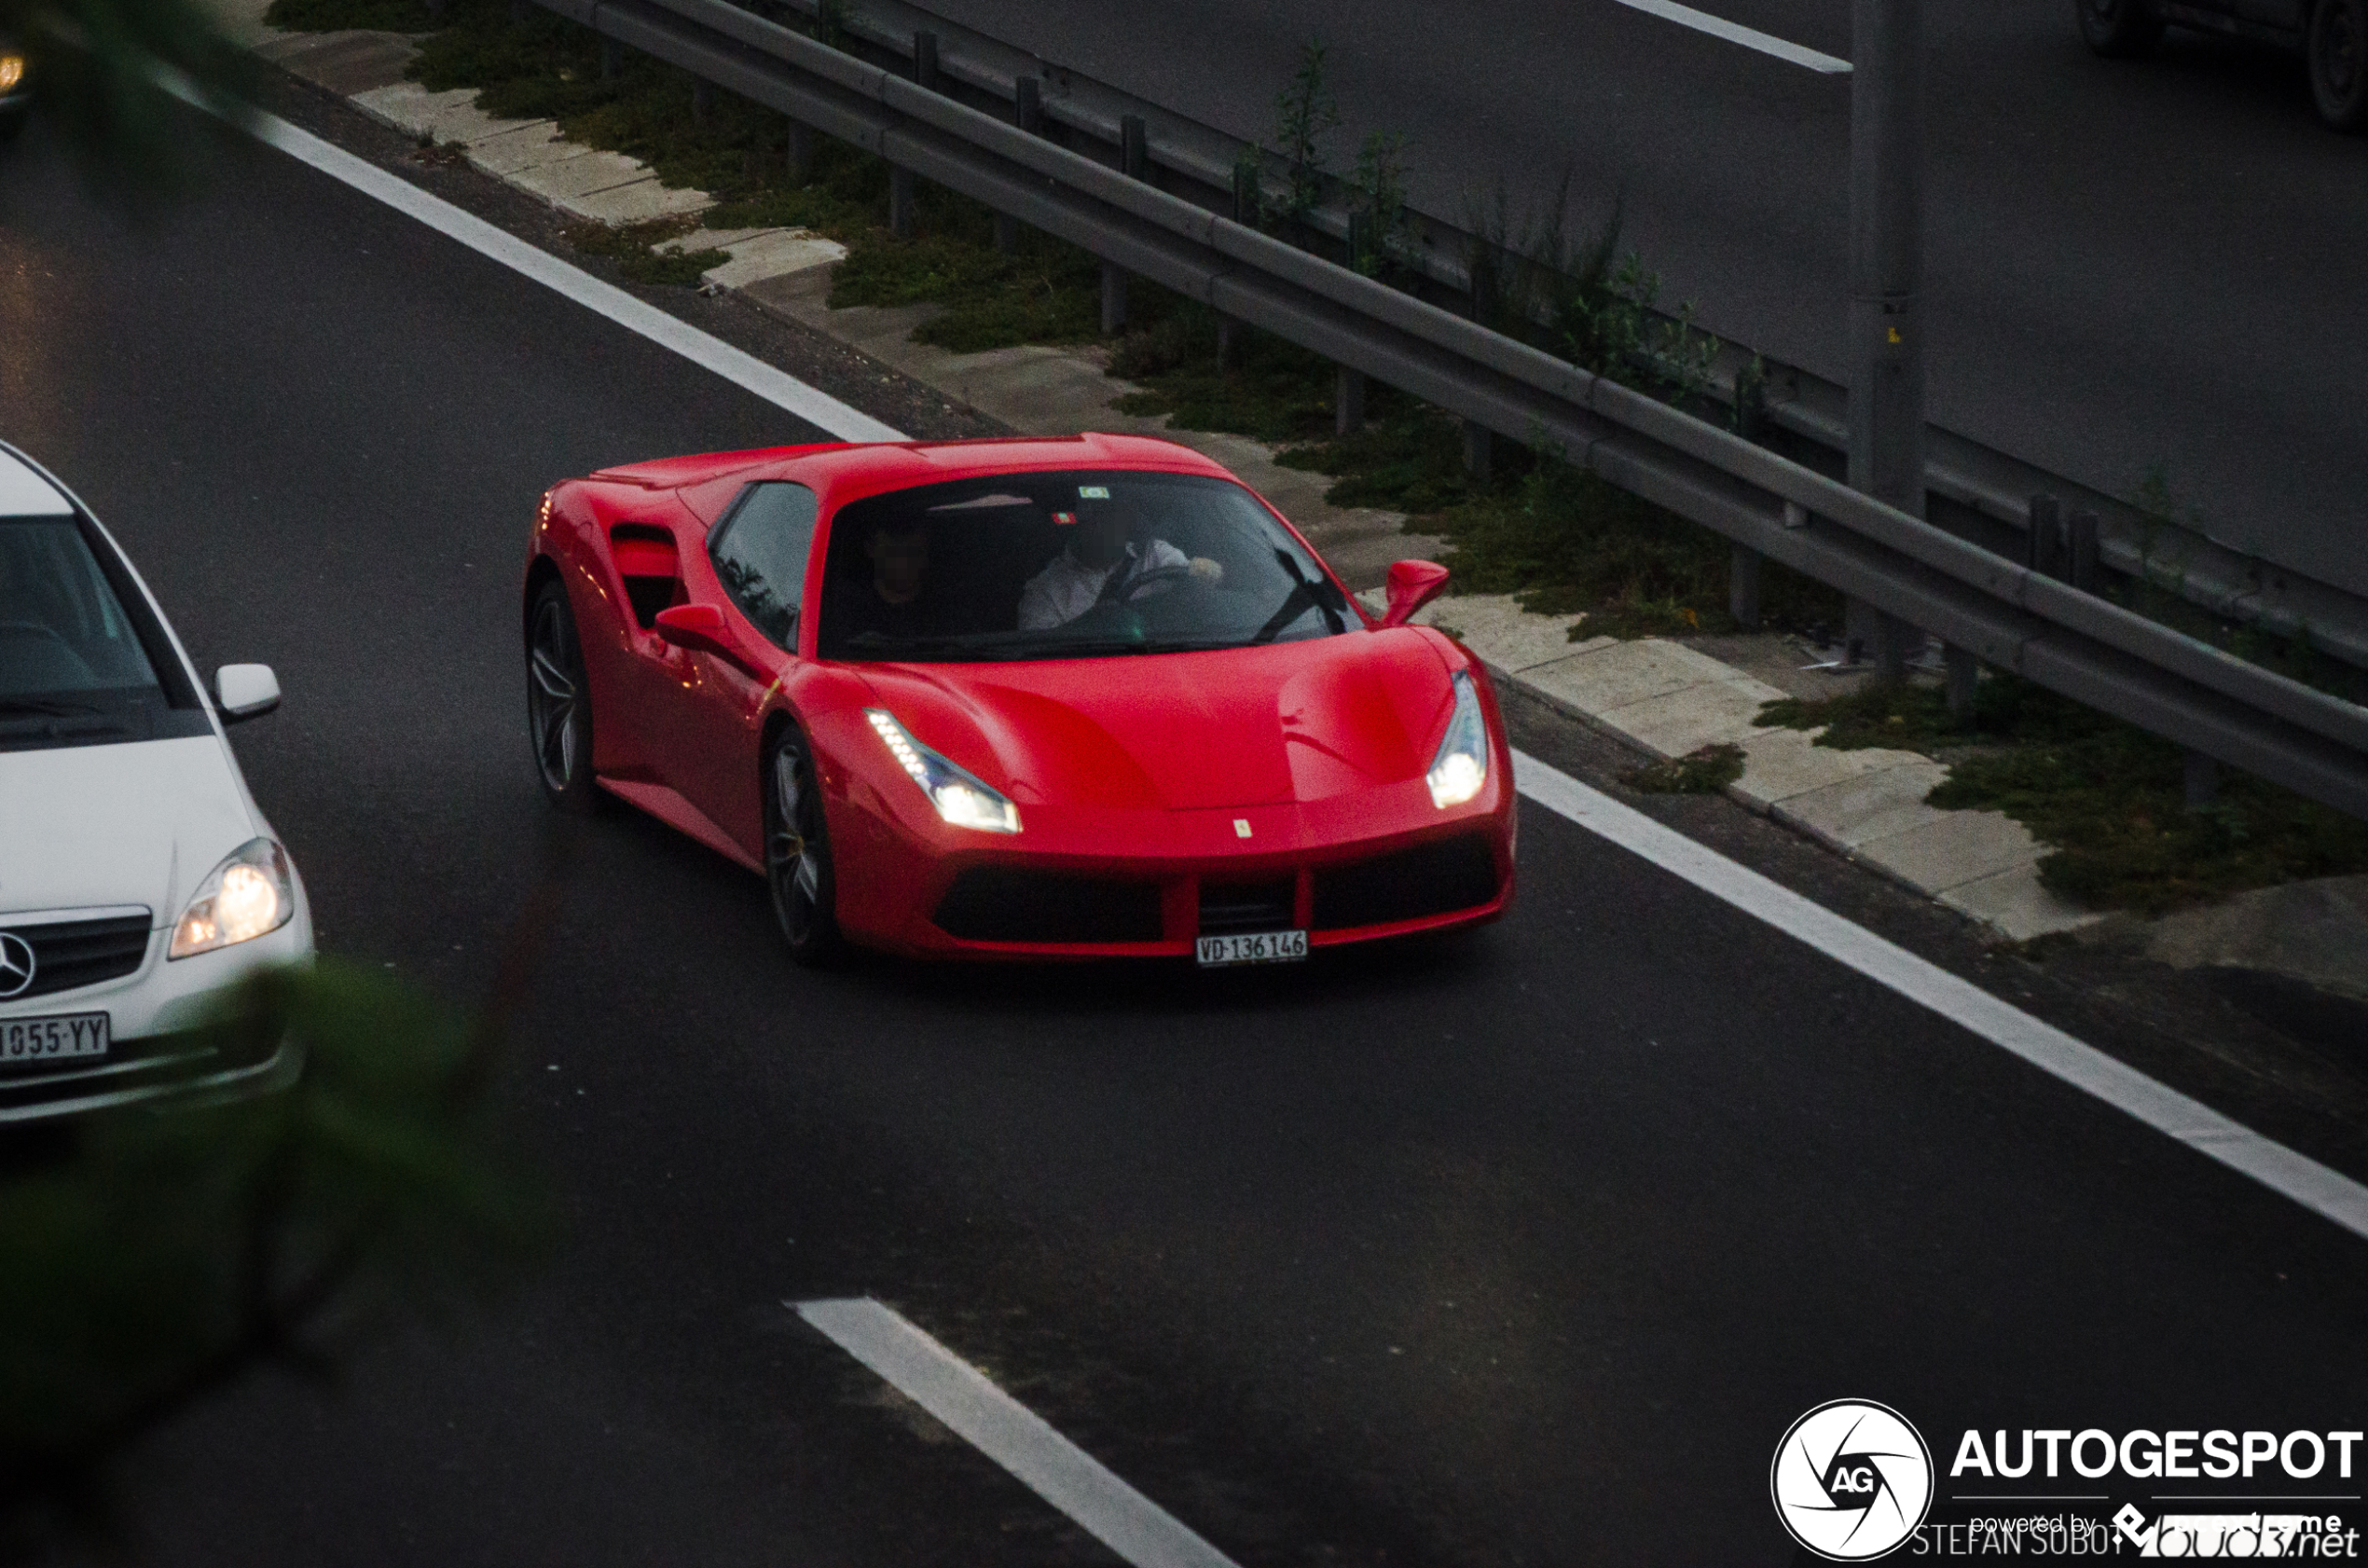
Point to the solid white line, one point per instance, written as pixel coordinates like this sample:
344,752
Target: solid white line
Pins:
744,370
2049,1049
1007,1431
1736,32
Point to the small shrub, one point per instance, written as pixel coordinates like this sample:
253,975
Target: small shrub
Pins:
1704,772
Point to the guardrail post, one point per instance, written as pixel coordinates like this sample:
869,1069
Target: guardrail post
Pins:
2042,549
1348,401
1027,113
1135,159
1480,447
902,222
925,74
702,100
1247,204
609,59
1965,676
2082,561
2202,781
1742,587
800,153
1113,299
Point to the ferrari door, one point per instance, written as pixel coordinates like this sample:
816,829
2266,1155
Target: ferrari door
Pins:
758,550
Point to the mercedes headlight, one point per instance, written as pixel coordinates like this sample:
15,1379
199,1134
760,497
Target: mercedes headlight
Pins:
1461,767
11,69
961,797
249,895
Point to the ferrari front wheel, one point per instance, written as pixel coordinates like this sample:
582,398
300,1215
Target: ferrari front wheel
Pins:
558,702
797,853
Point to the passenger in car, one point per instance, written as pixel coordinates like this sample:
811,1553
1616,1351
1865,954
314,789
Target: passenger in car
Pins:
893,601
1099,561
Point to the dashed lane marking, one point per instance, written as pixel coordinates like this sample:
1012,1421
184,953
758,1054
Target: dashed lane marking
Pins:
1736,32
2323,1192
1014,1436
742,369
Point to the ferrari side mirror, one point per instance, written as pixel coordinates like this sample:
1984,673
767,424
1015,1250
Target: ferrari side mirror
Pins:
695,626
1411,585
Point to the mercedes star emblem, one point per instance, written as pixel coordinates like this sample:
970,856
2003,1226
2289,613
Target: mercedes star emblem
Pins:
16,964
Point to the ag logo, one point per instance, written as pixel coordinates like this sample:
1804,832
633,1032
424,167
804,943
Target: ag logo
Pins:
1852,1480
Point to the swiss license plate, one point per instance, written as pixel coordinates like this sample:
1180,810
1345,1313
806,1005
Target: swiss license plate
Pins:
24,1041
1258,947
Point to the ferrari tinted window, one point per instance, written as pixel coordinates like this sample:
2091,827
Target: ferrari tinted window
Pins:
760,556
1073,564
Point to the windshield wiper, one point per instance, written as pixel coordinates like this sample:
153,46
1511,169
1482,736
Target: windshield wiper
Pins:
46,708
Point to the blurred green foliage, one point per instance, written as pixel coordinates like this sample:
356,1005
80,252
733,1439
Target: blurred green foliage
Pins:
162,1254
94,67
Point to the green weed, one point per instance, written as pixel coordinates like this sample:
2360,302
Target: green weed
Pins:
1704,772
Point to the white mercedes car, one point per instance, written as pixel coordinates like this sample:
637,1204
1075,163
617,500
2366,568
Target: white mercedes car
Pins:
138,880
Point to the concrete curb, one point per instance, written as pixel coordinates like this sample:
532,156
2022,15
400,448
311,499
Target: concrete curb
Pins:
1660,696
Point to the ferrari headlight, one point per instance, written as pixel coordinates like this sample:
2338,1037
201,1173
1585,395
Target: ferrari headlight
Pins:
961,797
247,896
1461,767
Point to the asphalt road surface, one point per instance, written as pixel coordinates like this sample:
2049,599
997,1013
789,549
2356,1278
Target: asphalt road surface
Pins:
1520,1248
2128,264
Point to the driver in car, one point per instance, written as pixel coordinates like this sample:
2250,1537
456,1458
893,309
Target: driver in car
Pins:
1100,562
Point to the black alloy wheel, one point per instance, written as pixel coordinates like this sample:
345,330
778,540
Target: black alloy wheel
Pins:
2119,29
797,853
2339,63
559,703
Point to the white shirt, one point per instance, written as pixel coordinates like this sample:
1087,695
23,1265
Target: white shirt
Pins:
1067,587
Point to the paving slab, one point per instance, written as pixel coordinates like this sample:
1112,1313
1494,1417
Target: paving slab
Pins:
584,175
1954,848
2017,905
2314,931
642,202
1496,627
1781,763
412,109
344,62
1885,799
770,256
1713,713
533,144
1613,676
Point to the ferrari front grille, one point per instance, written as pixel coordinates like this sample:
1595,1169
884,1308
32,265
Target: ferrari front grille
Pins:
1227,909
1010,904
1438,877
67,953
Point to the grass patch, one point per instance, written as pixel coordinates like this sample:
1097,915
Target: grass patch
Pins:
1704,772
2108,798
633,248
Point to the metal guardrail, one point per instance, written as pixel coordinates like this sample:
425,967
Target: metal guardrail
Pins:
2073,642
1975,490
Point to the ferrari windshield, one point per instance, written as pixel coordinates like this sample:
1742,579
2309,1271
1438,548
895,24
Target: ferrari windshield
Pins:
1065,565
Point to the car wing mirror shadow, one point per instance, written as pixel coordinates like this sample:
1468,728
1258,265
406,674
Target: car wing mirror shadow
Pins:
244,692
1411,585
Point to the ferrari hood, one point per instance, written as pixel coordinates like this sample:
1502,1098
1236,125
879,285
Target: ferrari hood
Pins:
1251,726
91,825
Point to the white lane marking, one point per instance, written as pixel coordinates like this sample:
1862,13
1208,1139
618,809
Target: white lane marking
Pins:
2281,1170
1736,32
1009,1433
744,370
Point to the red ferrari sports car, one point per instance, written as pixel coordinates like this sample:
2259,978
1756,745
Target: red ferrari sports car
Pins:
1014,698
